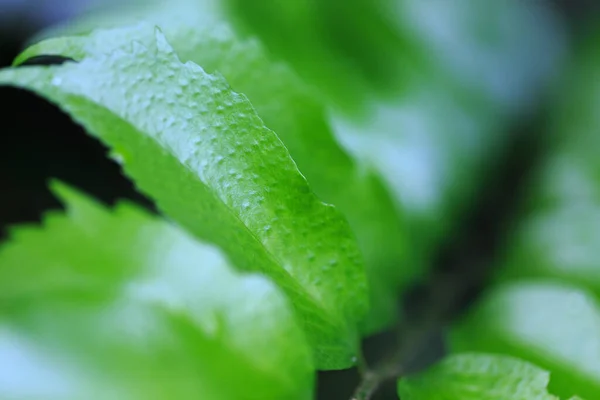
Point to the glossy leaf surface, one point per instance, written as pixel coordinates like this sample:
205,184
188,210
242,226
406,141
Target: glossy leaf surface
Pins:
288,106
200,150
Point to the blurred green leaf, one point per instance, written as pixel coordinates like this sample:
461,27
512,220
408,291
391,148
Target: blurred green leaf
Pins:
558,243
555,326
361,49
100,304
571,173
350,50
559,232
200,150
435,141
430,149
502,53
474,376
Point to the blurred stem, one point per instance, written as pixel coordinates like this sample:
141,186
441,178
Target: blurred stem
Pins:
361,364
373,379
442,298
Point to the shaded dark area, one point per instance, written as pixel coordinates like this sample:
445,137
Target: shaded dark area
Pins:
38,142
49,59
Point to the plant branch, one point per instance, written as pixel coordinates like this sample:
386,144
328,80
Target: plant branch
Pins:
443,297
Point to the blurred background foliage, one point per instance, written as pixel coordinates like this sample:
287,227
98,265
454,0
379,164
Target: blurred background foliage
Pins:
437,98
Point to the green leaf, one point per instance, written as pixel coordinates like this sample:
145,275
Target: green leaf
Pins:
200,150
287,106
383,46
477,377
349,52
100,304
554,326
559,236
429,147
475,44
294,112
571,173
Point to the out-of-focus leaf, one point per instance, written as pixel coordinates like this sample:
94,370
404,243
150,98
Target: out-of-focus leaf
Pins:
293,111
200,150
554,326
474,376
350,50
430,151
560,243
100,304
501,52
559,236
433,140
571,173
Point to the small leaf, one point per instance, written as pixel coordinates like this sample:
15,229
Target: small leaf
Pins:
554,326
100,304
473,376
200,150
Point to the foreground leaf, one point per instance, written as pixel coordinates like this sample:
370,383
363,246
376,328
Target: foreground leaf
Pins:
203,154
102,304
287,106
571,173
293,111
474,376
554,326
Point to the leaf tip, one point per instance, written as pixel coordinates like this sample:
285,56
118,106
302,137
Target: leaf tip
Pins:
75,201
61,190
161,41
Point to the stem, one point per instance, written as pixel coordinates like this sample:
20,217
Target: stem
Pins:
361,364
374,379
414,339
